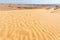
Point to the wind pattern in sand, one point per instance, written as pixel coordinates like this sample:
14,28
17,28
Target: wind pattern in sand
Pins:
29,25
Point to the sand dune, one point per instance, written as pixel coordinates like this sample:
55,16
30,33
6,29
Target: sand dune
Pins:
29,24
27,6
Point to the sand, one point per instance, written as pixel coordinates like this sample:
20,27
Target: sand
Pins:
30,24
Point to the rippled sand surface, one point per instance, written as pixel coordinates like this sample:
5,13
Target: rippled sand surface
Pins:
35,24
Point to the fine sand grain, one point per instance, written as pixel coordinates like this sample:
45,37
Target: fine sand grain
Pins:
29,24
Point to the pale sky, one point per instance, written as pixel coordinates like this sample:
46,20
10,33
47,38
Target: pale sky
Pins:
31,1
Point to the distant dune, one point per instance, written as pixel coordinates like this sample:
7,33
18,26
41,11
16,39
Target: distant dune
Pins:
26,6
29,24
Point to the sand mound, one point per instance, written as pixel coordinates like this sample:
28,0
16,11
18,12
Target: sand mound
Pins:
35,24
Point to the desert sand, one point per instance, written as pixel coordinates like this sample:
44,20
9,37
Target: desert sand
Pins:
30,24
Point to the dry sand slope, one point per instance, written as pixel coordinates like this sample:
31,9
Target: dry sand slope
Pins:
35,24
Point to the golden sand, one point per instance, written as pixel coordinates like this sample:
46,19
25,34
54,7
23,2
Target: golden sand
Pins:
29,24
